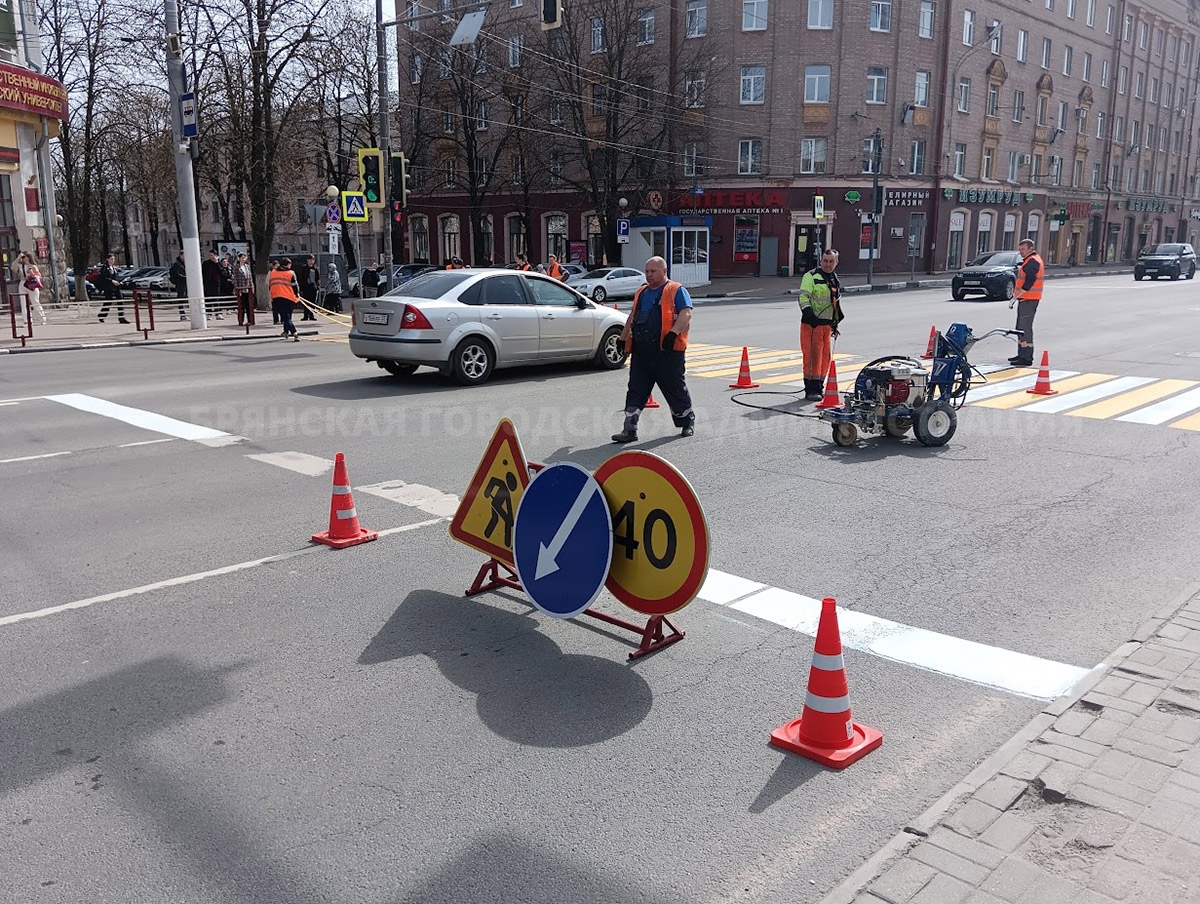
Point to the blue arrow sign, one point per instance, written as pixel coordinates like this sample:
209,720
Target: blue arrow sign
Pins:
562,540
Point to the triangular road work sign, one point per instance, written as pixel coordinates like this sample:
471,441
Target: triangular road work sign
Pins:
488,510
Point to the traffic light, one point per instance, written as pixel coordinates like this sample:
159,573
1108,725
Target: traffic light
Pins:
370,175
552,12
397,213
400,179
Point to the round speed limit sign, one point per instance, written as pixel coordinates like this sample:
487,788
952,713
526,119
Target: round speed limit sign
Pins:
660,537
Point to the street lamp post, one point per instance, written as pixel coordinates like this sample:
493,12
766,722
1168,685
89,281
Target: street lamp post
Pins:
385,141
189,228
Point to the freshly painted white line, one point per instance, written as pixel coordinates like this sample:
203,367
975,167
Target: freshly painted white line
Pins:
1166,410
723,589
32,457
218,442
1091,394
427,499
1006,670
147,420
192,578
147,442
6,404
300,462
992,390
34,398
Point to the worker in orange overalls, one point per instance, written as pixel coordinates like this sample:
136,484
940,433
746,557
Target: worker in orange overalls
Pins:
554,271
283,287
820,314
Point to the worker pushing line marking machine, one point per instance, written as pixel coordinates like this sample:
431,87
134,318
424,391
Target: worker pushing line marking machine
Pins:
895,393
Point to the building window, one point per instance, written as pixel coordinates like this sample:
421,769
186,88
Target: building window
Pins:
693,90
1158,42
916,162
1168,93
925,22
1041,111
871,155
450,173
1109,18
518,168
1012,166
695,18
599,101
877,84
816,84
556,235
996,32
964,95
1050,5
1119,128
1091,13
1162,139
960,160
1143,35
1062,116
1018,106
415,69
1022,45
1172,48
517,239
691,159
1081,115
1068,56
1100,124
420,234
754,15
1035,175
1104,73
516,44
1127,28
812,155
968,27
983,238
1154,90
1055,170
1070,9
556,166
921,89
447,121
556,111
412,9
754,84
599,35
1077,174
646,27
1045,53
985,171
1139,84
750,157
881,15
1087,67
450,245
481,116
1122,79
820,14
993,100
644,92
445,63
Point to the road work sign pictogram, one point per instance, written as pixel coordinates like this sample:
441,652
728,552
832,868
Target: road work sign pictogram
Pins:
487,514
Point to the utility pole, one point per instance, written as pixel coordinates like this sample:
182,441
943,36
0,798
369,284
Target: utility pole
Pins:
189,229
385,143
876,201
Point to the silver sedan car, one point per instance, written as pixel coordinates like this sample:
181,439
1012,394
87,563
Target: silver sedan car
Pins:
466,323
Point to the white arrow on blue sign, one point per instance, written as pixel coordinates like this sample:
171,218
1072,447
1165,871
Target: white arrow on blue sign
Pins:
562,540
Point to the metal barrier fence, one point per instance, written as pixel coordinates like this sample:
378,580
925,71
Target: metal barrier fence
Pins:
10,299
139,296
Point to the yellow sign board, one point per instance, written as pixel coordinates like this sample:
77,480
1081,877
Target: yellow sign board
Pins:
485,516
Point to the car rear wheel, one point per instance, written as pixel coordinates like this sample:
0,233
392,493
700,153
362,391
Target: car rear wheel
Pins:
396,369
1192,272
472,362
611,353
598,295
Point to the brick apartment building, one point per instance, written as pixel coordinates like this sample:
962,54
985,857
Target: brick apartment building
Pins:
1071,121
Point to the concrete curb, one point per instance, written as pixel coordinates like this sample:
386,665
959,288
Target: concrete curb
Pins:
130,343
853,885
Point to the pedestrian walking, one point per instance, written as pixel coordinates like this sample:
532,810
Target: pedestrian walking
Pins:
210,277
243,287
284,291
33,289
656,333
554,271
178,276
523,261
110,288
333,288
1026,297
308,279
820,314
368,283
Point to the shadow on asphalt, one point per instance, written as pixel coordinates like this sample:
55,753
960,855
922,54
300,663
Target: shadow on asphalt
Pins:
528,690
876,448
791,773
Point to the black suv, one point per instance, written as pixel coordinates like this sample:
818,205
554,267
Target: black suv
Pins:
993,274
1173,260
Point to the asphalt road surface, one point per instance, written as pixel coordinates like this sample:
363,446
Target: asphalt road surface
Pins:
198,705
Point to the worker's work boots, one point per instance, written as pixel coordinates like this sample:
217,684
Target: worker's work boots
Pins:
628,433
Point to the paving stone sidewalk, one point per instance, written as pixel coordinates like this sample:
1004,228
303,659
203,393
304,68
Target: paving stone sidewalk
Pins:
1098,801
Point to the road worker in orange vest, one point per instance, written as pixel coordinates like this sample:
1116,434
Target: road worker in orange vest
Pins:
523,262
284,291
555,271
1026,297
656,333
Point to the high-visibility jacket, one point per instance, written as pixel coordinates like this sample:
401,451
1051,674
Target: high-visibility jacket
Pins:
525,267
667,303
554,271
816,290
1035,292
282,284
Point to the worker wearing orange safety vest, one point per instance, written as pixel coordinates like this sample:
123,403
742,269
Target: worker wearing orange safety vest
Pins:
656,333
523,261
554,271
283,288
456,263
1029,292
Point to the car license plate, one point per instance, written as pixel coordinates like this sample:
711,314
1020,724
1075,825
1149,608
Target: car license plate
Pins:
970,282
375,318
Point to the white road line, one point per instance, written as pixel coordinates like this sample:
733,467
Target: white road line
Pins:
427,499
300,462
6,404
992,390
1006,670
147,420
146,442
1091,394
192,578
723,589
7,461
33,398
1166,410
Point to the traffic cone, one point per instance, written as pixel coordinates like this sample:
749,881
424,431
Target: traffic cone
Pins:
832,399
743,380
932,346
651,403
826,732
1042,387
344,529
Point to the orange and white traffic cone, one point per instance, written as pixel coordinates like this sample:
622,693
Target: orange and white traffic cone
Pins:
651,403
1042,387
344,529
832,399
743,380
826,732
931,348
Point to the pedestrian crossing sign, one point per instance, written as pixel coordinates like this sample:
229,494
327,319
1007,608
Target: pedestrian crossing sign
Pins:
487,513
354,207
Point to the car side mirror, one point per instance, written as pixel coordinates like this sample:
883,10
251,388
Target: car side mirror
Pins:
581,303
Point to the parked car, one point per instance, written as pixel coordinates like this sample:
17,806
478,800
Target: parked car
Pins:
156,280
466,323
610,282
575,272
1173,259
993,274
88,286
